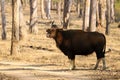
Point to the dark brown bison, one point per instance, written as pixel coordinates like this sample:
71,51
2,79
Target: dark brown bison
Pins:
78,42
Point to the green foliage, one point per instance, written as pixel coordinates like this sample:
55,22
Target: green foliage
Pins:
55,0
58,0
117,4
117,0
117,9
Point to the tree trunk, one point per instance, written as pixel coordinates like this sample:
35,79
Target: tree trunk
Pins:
86,15
81,8
98,23
22,25
42,9
108,19
59,9
93,9
15,27
33,16
3,19
47,8
66,13
78,7
25,2
18,26
112,10
102,12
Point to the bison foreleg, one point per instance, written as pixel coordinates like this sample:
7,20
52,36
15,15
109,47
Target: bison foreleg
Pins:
72,64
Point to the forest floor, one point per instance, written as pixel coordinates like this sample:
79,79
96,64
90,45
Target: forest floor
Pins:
39,59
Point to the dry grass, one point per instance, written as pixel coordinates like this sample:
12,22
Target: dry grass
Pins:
39,49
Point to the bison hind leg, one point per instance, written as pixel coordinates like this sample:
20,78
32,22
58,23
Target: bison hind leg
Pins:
98,61
104,64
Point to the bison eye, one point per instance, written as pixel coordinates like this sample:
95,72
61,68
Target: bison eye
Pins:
48,32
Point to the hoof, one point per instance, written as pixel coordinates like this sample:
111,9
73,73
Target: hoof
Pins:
95,68
72,68
104,68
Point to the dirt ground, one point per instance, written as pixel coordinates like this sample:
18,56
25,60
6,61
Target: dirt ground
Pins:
39,59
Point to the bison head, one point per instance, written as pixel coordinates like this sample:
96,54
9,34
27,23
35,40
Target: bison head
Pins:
51,33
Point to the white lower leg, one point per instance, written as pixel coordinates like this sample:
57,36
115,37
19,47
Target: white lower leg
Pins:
104,64
97,63
72,64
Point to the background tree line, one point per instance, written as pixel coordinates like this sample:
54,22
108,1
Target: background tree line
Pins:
94,14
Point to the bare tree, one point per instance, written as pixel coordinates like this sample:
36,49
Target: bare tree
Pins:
98,23
112,13
108,19
86,15
22,25
93,11
25,2
18,26
47,8
42,9
102,9
80,8
59,9
33,16
3,19
109,15
66,13
15,27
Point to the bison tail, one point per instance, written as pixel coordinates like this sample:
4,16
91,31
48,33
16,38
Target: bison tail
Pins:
109,50
104,49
